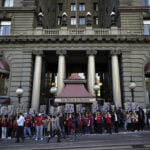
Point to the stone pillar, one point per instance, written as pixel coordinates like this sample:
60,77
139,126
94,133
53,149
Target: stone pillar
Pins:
91,70
61,70
116,78
37,81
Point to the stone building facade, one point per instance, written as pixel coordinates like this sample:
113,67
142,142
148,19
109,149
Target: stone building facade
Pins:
106,41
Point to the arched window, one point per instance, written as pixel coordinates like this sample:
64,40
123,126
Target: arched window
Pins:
4,77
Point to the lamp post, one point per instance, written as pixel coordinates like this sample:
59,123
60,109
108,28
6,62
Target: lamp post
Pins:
53,91
96,88
132,86
19,93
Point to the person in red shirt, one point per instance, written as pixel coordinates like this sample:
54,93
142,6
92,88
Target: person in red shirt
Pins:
10,127
108,122
98,121
87,123
39,127
27,126
4,128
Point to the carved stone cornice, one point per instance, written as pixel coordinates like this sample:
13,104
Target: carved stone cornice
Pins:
27,39
37,52
91,52
61,52
115,52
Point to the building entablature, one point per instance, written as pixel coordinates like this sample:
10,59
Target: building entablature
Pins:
74,39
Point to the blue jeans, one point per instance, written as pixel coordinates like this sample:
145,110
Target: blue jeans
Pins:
39,131
27,131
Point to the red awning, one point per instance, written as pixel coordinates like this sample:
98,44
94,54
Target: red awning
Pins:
75,91
4,67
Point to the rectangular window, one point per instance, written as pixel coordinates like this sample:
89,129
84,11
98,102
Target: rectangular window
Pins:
73,7
147,27
146,2
81,7
95,20
8,3
95,6
73,21
59,19
5,27
60,7
82,20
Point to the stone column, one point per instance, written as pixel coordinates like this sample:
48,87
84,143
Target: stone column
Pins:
116,78
91,70
61,70
37,81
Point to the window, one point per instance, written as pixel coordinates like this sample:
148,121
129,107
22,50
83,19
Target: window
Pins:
147,27
82,20
81,7
73,7
59,19
60,7
146,2
73,21
95,20
95,6
3,84
8,3
5,27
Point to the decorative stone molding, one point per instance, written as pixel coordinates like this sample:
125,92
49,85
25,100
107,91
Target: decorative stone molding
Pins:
38,52
61,52
115,52
91,52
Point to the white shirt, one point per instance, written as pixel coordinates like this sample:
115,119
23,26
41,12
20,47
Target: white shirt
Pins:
20,121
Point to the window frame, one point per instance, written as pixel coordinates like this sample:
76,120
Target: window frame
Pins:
82,7
8,3
5,28
73,20
82,20
146,24
73,7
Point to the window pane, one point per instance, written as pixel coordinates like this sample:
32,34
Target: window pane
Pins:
146,2
82,21
73,21
82,7
8,3
5,28
147,27
73,7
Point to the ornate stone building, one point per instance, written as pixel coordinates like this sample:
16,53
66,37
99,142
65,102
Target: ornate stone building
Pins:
42,42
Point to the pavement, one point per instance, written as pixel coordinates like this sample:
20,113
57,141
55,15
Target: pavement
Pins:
138,140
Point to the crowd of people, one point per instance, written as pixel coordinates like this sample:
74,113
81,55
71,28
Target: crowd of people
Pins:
41,125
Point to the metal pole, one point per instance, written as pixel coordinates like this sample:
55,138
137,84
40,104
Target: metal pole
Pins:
132,93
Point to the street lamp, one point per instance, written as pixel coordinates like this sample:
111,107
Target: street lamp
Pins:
19,93
132,86
53,91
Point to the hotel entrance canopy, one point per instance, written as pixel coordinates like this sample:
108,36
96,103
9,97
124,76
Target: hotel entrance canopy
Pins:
74,91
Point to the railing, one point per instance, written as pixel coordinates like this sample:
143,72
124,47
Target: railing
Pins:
84,31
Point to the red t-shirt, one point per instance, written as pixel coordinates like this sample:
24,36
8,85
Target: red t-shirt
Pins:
39,121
